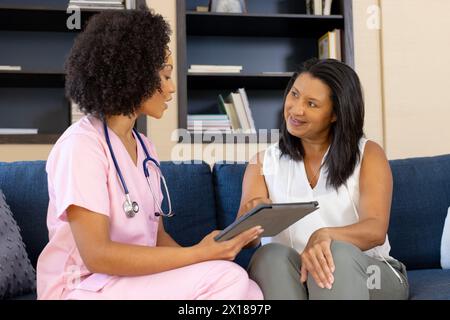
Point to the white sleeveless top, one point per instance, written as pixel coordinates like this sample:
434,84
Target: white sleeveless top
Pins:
286,181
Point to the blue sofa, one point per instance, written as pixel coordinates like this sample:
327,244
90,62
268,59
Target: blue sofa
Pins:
205,200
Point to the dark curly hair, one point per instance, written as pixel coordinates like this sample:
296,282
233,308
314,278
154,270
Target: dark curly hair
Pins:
114,63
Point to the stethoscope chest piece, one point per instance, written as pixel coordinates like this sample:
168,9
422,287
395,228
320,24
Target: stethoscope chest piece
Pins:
130,208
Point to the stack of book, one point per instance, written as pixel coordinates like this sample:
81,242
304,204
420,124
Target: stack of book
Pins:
203,68
237,107
75,113
213,123
99,4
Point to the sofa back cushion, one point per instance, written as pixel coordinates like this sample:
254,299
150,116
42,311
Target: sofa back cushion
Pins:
420,201
193,202
191,189
228,187
25,187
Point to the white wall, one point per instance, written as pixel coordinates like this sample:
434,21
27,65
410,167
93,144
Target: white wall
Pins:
368,65
416,71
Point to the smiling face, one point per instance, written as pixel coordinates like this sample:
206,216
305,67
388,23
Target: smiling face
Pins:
157,103
308,109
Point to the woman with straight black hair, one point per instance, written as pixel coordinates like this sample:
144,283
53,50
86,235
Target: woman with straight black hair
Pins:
340,251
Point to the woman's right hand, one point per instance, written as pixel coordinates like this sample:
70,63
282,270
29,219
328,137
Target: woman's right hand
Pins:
211,249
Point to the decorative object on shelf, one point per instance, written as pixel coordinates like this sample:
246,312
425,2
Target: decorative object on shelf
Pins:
330,45
228,6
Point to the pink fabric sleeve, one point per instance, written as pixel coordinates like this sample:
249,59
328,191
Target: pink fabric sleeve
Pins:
78,172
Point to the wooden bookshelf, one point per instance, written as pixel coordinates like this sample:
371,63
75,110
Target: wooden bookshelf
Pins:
34,35
269,41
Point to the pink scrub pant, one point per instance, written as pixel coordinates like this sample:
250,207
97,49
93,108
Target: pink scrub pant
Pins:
214,280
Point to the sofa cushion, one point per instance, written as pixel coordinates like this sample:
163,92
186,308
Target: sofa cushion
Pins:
228,187
420,200
25,186
192,194
429,284
17,276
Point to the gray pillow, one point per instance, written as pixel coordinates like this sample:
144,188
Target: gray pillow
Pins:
17,275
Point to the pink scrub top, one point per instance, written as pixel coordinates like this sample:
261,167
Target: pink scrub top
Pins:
81,172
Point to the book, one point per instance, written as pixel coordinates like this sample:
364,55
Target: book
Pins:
10,68
202,9
308,7
330,45
214,69
18,131
235,99
75,113
130,4
327,7
97,4
247,109
202,122
230,111
317,7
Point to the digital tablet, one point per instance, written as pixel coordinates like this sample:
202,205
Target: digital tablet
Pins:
273,218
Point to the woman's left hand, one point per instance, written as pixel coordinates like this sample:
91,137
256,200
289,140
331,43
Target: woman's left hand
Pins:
318,260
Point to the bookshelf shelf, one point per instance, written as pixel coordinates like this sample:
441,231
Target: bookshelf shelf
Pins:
233,81
29,138
261,25
39,19
45,79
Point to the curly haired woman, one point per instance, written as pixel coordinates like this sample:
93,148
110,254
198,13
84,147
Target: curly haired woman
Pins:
102,245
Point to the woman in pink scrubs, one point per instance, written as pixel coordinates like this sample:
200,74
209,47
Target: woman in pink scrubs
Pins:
118,69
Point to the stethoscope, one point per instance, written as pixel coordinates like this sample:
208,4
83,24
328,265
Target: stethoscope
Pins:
131,207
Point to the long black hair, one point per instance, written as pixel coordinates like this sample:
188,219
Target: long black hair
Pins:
346,131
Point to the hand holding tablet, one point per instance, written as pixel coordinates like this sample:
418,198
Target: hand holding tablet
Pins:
273,218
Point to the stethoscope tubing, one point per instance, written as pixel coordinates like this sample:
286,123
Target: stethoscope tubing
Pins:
146,172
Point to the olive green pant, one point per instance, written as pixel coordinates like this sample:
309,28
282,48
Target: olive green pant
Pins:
276,269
